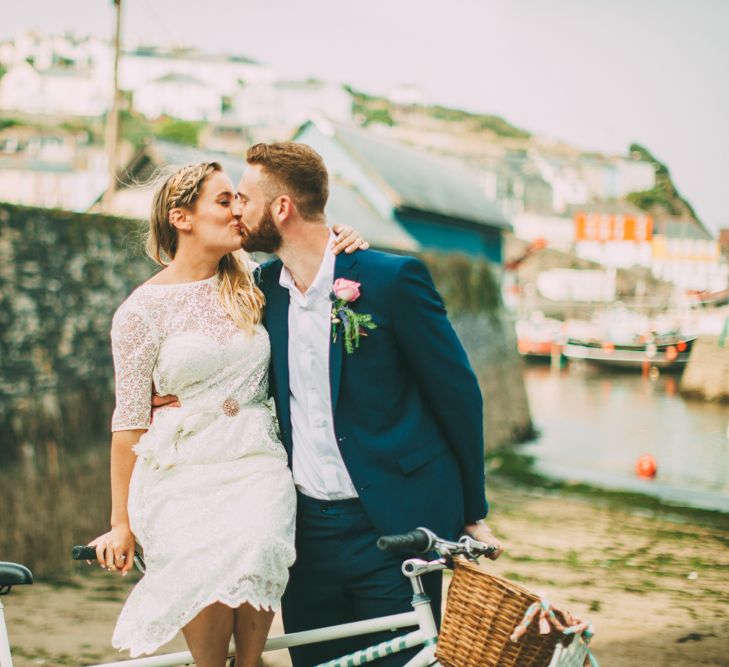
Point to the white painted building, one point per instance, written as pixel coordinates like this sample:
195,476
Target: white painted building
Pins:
222,72
288,104
53,51
614,178
557,231
180,96
50,169
684,255
68,75
568,186
65,92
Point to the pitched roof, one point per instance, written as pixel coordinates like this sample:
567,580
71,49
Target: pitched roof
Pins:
347,206
414,179
177,77
187,54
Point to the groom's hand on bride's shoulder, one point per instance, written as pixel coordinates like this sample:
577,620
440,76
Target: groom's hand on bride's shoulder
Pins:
167,401
481,532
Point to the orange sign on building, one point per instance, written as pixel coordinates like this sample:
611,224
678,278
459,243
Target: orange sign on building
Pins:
613,227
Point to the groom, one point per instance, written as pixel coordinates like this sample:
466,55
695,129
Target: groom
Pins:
382,437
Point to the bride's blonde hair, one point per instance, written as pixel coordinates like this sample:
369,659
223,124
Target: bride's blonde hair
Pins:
240,297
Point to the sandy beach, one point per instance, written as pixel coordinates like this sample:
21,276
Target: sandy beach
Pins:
656,588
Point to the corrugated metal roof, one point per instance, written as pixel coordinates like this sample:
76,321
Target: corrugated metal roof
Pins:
348,207
418,180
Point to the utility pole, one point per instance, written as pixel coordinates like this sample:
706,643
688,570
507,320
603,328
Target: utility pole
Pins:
112,119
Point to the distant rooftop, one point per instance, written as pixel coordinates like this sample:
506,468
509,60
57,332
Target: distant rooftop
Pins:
175,77
187,54
418,180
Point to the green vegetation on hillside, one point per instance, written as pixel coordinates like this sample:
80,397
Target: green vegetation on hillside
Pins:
376,109
8,122
664,197
495,124
370,108
136,129
178,131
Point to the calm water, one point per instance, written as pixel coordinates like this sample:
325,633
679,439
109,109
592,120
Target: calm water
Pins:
594,426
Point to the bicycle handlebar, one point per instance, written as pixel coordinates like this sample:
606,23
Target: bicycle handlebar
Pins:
422,540
83,553
418,541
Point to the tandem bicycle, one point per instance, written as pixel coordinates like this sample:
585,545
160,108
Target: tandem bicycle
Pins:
420,542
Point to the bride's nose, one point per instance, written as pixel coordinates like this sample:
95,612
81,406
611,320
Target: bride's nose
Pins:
236,209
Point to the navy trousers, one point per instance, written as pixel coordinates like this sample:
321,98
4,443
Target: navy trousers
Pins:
340,576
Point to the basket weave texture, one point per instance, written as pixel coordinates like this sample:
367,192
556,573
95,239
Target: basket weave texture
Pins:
481,613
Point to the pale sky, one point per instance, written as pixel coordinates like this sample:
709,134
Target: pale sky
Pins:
596,73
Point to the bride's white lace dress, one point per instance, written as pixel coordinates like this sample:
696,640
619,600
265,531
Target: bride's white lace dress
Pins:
211,499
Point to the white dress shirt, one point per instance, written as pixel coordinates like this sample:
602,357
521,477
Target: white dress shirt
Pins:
318,468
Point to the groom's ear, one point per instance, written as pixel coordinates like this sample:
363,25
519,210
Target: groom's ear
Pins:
282,208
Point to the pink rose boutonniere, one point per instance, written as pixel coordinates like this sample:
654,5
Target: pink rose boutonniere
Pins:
353,325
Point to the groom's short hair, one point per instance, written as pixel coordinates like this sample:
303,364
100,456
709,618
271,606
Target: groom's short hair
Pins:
296,170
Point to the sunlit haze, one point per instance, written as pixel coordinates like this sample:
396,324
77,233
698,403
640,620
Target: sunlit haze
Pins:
597,74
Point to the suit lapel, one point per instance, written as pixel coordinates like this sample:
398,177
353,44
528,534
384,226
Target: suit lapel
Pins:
277,318
345,266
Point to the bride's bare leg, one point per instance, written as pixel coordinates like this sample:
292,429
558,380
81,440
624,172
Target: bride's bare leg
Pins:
250,632
208,635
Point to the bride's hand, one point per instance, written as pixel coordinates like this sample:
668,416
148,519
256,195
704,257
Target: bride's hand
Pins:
115,549
348,239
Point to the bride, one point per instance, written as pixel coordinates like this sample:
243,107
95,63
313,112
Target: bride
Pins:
205,489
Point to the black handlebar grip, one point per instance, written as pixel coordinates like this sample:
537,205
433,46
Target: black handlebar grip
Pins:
417,541
83,553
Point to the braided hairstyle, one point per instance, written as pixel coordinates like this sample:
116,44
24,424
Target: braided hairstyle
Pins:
240,297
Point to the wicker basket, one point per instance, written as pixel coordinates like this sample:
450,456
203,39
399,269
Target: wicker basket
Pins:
481,613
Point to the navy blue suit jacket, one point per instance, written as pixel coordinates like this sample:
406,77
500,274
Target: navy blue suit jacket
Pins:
407,408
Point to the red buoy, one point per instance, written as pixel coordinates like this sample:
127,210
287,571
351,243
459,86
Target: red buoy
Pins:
646,466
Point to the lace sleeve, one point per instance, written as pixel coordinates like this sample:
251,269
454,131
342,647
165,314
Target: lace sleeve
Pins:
134,345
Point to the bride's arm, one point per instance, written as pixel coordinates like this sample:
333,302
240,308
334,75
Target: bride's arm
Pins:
115,549
134,346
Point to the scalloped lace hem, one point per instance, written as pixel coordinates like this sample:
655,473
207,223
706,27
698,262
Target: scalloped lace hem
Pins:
124,639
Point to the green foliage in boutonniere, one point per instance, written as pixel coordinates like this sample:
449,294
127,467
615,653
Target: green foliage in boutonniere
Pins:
353,325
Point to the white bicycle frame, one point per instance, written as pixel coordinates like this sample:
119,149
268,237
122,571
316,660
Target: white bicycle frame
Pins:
5,658
421,616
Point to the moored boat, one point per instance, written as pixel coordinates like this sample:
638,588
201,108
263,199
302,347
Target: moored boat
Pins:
663,353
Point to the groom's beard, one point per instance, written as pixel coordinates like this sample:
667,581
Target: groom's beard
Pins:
265,237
